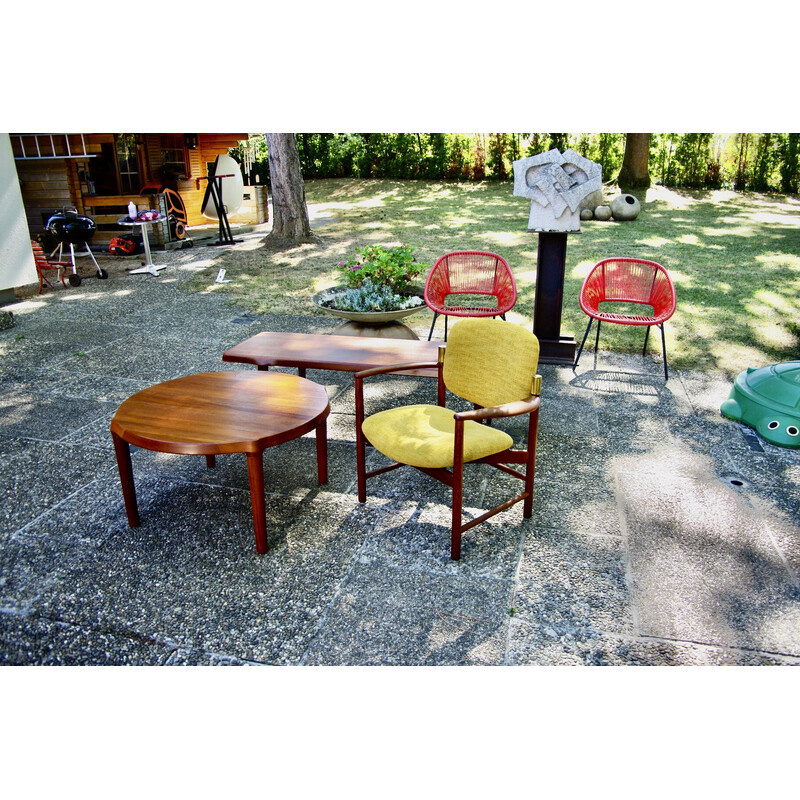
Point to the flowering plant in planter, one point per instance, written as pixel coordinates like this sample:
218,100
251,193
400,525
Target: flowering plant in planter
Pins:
377,278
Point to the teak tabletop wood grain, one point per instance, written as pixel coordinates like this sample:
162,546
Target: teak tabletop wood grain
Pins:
211,413
332,352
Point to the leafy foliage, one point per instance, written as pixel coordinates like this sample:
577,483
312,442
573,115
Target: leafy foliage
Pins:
369,296
393,267
741,161
790,164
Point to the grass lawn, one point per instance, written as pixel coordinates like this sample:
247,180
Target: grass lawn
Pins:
734,258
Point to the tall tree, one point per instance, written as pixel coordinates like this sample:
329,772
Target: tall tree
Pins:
289,212
635,173
790,168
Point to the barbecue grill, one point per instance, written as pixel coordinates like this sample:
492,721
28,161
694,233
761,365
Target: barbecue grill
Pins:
70,228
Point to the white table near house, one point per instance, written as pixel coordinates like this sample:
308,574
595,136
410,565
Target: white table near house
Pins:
148,266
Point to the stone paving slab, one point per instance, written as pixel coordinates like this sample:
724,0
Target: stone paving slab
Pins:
390,616
36,476
662,534
195,582
32,640
701,563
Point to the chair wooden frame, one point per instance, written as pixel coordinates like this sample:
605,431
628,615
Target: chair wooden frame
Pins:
454,478
43,264
628,280
469,272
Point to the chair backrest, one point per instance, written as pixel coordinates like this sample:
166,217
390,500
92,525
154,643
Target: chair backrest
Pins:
490,361
629,280
471,272
40,257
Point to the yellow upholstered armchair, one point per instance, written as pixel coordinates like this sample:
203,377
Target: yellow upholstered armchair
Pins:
488,362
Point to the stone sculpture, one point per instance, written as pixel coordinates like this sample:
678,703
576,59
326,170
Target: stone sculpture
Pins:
556,183
625,207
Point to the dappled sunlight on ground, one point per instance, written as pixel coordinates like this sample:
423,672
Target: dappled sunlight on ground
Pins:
733,358
655,242
709,241
787,260
505,238
739,230
580,270
457,222
776,219
663,194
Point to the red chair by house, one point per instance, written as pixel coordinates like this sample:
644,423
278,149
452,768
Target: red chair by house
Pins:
44,265
470,273
628,280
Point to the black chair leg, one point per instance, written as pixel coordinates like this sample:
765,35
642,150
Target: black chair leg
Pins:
580,350
435,317
445,327
646,336
664,350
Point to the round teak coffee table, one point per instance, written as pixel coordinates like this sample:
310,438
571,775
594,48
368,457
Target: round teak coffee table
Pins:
221,412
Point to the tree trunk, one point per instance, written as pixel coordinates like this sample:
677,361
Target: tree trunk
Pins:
289,213
634,173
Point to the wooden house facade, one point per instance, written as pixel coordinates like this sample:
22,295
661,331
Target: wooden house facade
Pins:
98,174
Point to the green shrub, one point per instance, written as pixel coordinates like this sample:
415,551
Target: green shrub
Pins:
393,267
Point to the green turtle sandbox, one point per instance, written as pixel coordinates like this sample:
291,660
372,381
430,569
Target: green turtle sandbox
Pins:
768,399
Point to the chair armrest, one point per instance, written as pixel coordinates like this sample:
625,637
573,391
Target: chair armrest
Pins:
505,410
366,373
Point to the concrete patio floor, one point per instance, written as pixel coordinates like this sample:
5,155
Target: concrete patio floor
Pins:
662,534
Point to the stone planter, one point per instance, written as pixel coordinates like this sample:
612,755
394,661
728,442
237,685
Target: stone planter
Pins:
384,324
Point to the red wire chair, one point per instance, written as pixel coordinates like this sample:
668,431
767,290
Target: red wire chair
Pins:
469,272
628,280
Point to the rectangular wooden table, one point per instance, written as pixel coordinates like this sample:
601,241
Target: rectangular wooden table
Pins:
332,352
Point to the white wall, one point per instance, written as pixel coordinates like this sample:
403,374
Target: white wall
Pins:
17,267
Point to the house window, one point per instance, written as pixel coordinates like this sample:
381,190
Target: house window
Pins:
174,161
128,163
116,169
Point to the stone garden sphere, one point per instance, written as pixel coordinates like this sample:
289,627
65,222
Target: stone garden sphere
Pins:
586,213
602,213
625,207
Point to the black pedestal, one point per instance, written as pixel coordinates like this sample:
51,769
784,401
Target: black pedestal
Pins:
551,258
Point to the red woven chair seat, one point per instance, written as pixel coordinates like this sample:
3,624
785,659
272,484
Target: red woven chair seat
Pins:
467,311
624,319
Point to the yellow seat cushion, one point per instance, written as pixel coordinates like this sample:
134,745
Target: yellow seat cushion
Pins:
422,436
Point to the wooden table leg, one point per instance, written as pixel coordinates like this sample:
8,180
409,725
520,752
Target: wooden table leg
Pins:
211,461
123,452
322,451
255,472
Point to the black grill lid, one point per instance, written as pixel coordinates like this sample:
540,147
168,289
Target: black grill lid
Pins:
69,226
